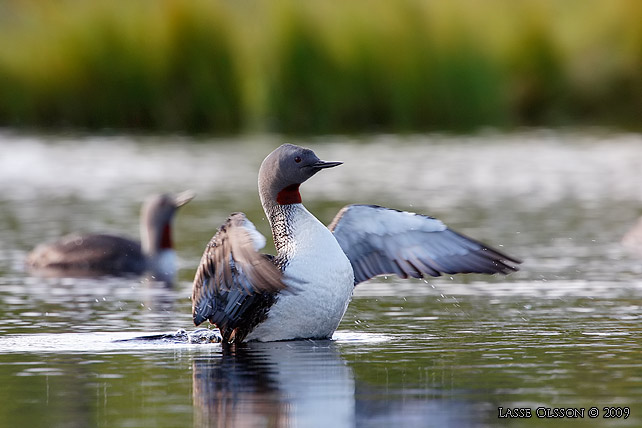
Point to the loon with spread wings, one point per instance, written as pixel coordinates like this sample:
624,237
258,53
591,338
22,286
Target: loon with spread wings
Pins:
304,291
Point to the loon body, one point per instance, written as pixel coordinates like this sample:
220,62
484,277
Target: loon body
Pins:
93,255
304,291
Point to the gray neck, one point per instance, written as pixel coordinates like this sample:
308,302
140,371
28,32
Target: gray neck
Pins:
274,183
268,201
146,240
268,195
151,237
278,215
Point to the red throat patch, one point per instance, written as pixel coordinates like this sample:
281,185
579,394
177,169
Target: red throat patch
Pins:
289,195
166,238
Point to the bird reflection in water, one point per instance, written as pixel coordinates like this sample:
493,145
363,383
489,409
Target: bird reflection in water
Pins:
308,383
298,383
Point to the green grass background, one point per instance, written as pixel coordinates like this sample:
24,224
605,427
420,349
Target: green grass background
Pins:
287,66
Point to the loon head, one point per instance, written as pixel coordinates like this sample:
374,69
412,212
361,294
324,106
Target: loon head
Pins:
157,215
283,171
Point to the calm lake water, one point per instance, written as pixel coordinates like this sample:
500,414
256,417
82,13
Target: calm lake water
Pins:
564,332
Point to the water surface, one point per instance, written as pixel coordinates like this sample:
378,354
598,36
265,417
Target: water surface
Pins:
449,351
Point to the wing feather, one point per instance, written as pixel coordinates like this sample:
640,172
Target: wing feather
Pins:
233,280
380,241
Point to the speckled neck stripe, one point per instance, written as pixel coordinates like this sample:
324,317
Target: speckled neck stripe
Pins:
281,217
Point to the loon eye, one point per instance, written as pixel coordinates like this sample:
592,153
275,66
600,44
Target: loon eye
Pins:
297,159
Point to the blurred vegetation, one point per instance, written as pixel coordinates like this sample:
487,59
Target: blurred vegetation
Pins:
319,67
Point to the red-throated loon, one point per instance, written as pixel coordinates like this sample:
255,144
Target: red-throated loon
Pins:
90,255
303,292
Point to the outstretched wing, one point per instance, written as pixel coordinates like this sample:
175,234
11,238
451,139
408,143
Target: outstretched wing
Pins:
380,241
234,282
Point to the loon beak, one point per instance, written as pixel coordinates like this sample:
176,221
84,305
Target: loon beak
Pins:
182,198
323,164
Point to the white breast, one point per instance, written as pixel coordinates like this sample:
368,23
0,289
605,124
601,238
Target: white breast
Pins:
321,277
163,266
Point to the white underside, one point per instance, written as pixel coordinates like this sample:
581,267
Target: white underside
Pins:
162,267
320,281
